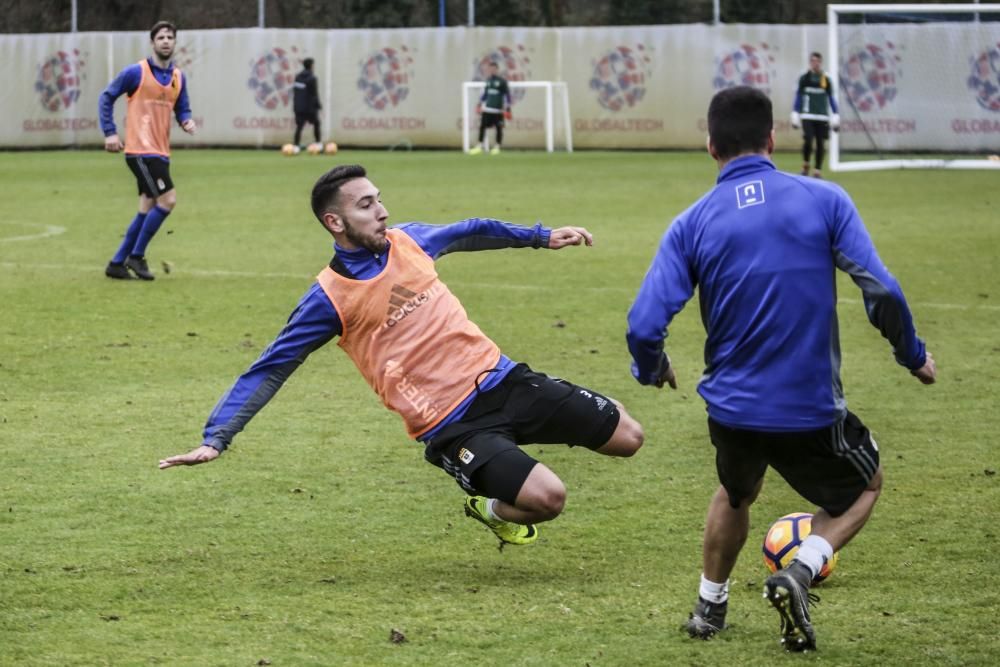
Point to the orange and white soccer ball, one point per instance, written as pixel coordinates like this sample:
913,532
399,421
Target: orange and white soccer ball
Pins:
782,543
330,148
290,149
314,149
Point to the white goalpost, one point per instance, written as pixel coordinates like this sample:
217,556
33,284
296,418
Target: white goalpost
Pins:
918,86
550,88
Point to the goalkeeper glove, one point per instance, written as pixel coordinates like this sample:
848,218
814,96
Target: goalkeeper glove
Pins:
507,114
835,122
796,120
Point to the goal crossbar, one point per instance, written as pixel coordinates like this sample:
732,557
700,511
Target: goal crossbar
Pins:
833,13
548,86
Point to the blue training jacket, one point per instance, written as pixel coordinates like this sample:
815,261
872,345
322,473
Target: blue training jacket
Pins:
762,247
315,322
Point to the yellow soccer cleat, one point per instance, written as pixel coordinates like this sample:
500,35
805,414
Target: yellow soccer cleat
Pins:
495,150
507,532
475,150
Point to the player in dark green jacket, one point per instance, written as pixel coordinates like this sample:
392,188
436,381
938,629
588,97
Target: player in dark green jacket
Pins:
493,107
815,110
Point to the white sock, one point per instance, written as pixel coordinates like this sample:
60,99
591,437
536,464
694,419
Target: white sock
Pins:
491,504
713,592
814,552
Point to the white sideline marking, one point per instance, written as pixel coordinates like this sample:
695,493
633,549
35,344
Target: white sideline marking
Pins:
222,273
48,230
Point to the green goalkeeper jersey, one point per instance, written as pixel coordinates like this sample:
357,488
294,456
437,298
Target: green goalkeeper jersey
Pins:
814,97
496,95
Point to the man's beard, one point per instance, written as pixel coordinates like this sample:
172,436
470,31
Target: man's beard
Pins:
371,243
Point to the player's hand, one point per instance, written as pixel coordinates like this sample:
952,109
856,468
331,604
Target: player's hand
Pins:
927,373
835,122
796,120
113,144
667,377
479,108
202,454
564,236
189,126
508,114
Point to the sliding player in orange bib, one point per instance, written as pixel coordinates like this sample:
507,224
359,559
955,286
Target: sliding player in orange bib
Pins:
469,404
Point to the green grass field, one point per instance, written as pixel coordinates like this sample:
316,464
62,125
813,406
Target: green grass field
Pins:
322,529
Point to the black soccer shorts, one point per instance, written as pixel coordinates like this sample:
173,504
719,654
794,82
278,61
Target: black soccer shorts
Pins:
819,129
152,175
492,119
829,467
481,449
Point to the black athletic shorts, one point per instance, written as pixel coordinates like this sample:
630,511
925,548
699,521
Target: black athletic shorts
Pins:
829,467
151,174
303,117
815,128
491,119
481,449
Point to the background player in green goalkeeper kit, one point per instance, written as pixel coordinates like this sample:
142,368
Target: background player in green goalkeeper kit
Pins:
815,111
493,107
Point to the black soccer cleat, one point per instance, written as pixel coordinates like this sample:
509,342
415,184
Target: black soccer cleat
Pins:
707,619
140,268
117,271
788,592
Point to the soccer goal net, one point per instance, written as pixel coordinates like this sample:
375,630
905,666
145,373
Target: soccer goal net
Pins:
540,112
918,86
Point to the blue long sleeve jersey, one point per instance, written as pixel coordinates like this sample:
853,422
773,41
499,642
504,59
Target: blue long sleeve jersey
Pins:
315,322
127,82
762,247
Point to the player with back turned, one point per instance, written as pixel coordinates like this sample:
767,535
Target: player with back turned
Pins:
762,247
156,88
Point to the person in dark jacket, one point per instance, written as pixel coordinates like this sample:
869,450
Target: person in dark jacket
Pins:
306,103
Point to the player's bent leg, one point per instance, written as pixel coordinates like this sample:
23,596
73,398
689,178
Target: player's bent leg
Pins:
839,530
541,498
627,437
168,200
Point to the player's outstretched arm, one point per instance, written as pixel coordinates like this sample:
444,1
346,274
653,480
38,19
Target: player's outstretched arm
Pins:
927,373
566,236
202,454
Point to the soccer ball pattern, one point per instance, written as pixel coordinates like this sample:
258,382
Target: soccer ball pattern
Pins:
782,543
870,76
620,76
985,78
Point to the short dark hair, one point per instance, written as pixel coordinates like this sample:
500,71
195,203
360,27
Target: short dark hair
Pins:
816,54
308,63
740,120
160,25
324,193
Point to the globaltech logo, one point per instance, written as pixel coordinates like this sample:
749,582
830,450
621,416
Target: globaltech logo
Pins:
620,76
272,77
59,80
749,65
384,78
870,76
984,79
403,301
514,64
